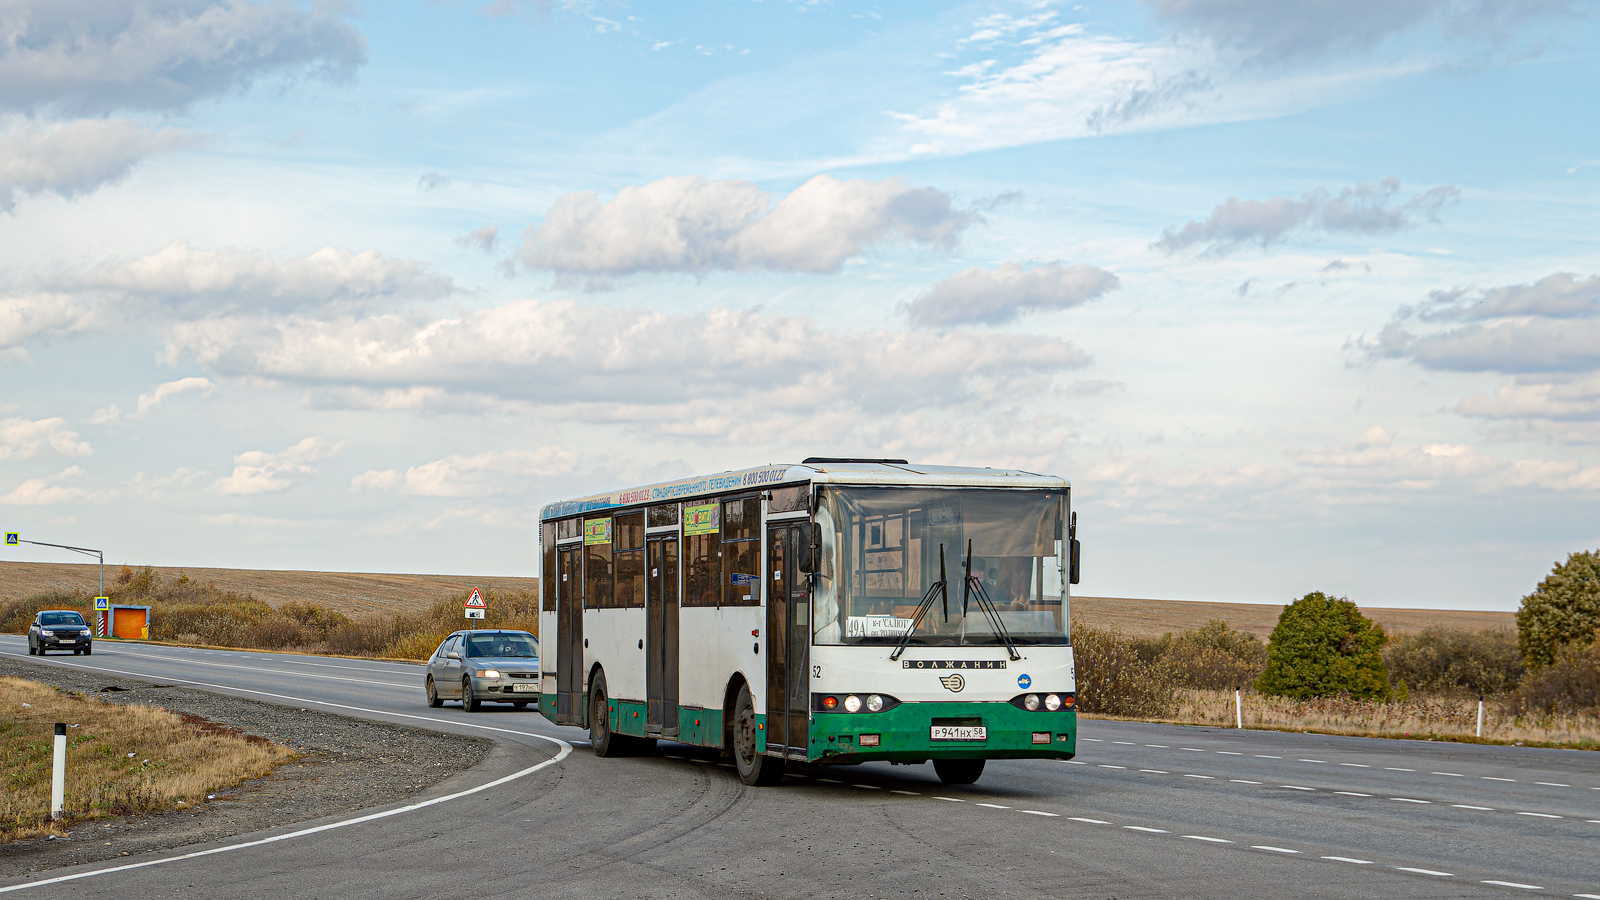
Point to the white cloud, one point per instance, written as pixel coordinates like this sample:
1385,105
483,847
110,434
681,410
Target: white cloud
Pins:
24,439
696,373
89,57
995,296
259,472
496,473
689,224
1274,32
48,491
486,238
1364,208
150,401
74,158
35,314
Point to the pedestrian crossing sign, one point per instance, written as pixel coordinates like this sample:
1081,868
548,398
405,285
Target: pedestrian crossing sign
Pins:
102,603
476,601
13,539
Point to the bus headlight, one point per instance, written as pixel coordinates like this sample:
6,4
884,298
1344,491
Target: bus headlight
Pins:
1052,702
874,703
852,703
1031,701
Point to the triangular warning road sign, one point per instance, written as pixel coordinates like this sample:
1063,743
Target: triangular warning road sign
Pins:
475,601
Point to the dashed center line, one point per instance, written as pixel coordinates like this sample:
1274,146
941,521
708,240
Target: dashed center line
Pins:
1541,815
1157,746
1397,769
1090,821
1155,771
1206,777
1035,812
1272,849
1201,837
907,793
1356,765
1552,784
1192,749
1408,800
1478,808
1229,753
1359,862
1422,871
1312,760
1352,793
951,799
1242,781
1146,830
830,780
1513,884
867,787
1492,778
1452,774
1104,766
1095,740
1124,743
1264,756
1296,787
994,806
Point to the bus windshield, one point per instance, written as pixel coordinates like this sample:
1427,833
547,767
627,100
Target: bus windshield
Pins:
880,555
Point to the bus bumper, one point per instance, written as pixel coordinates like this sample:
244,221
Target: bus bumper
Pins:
904,733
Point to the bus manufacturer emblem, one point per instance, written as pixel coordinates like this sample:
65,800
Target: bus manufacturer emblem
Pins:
954,682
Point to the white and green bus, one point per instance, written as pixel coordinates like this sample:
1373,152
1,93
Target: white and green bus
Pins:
837,611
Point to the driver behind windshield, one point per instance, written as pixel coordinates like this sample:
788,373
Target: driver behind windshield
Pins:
500,645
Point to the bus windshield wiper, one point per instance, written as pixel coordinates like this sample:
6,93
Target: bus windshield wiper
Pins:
972,587
939,587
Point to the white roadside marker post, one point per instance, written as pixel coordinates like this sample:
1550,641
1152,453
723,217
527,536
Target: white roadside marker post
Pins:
58,775
1480,715
1238,706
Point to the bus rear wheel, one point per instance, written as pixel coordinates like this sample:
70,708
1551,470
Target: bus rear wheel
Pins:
606,743
754,769
958,771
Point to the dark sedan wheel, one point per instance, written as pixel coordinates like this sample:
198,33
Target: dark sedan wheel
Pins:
433,694
469,700
88,651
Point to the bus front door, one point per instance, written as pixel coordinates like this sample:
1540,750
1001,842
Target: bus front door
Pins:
570,705
788,630
661,637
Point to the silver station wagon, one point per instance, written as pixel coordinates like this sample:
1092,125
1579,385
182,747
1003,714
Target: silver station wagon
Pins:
480,667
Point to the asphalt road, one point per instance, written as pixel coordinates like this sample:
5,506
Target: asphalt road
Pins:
1145,811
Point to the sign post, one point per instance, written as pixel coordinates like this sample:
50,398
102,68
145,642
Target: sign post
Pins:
475,606
14,539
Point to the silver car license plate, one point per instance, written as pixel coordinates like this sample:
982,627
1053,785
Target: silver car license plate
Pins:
525,688
958,733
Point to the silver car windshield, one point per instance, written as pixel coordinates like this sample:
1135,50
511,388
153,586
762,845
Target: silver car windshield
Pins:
880,556
501,645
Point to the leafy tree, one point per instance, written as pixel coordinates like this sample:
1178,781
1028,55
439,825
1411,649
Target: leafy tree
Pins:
1323,646
1440,658
1563,609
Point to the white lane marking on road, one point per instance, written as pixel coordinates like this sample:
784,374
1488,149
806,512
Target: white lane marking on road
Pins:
1146,830
1155,771
951,799
1593,821
1104,766
1158,746
831,780
1035,812
199,662
1356,765
1201,837
907,793
1242,781
1229,753
1422,871
1296,787
566,749
1313,760
1408,800
1090,821
1513,884
1206,777
1192,749
1359,862
1352,793
1453,774
1541,815
867,787
1075,762
1264,756
1588,896
994,806
1492,778
1551,784
1397,769
1478,808
1095,740
670,756
1272,849
1125,743
397,669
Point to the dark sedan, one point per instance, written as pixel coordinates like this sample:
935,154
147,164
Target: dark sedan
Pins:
59,629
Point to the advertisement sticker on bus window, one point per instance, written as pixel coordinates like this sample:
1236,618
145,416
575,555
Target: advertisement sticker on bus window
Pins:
597,531
701,519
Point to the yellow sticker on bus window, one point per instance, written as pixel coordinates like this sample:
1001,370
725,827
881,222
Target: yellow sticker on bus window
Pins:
597,531
701,519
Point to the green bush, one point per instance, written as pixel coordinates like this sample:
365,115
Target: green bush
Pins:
1563,609
1571,683
1114,680
1442,659
1323,646
1213,656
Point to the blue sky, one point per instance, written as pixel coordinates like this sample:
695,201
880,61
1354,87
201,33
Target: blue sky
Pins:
1301,296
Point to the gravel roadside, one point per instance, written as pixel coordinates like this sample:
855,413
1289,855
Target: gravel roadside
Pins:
343,765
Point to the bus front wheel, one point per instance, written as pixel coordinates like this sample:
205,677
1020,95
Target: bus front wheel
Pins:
958,771
754,769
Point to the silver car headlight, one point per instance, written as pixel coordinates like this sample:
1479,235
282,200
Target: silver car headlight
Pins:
489,673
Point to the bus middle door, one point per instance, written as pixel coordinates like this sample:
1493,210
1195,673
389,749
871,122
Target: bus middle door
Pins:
661,636
788,630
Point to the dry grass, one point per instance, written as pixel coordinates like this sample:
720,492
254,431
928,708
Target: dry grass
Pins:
1153,618
1436,718
120,759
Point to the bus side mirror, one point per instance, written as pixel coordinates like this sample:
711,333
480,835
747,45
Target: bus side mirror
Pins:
1077,557
809,557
